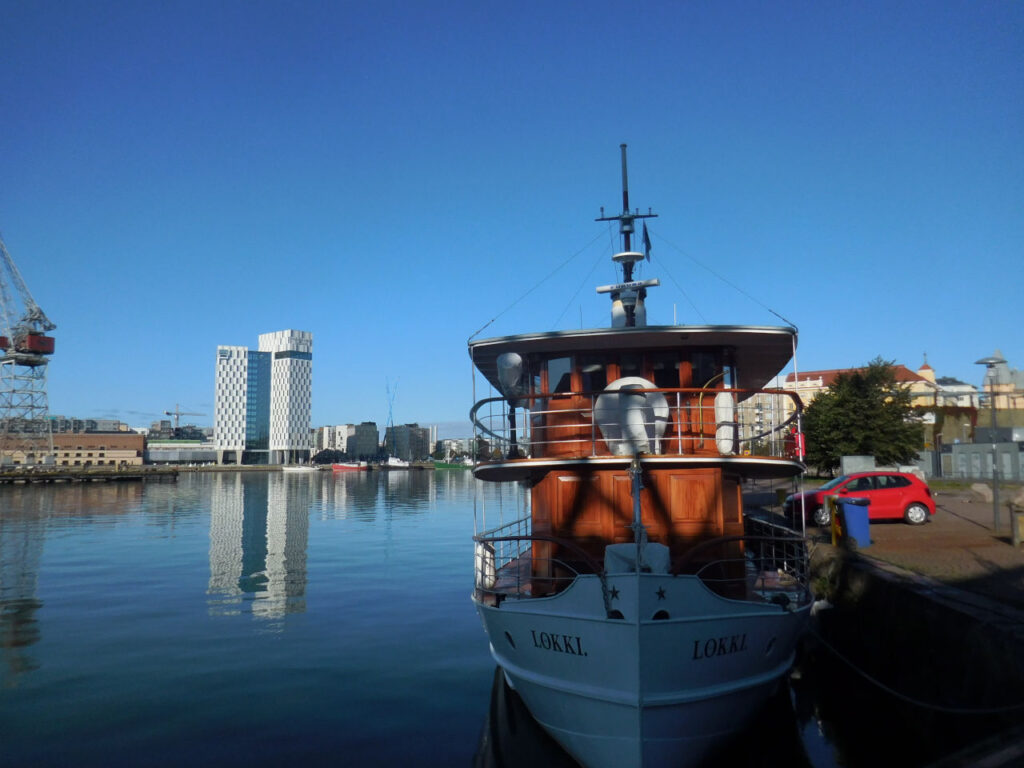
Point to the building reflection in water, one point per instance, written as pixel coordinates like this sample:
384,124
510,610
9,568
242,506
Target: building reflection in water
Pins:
22,529
259,533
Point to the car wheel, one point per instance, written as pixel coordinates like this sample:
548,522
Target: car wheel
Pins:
822,516
915,514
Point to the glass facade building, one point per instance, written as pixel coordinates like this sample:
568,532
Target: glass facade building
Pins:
263,399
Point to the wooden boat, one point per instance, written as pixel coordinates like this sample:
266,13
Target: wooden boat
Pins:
635,608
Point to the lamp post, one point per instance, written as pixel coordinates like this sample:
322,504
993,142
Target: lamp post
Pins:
990,363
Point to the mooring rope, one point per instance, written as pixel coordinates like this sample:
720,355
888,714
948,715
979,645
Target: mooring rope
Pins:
909,699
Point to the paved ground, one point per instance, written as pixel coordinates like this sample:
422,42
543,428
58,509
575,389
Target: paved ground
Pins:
958,547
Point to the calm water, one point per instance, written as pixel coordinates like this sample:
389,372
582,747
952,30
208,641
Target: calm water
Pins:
268,618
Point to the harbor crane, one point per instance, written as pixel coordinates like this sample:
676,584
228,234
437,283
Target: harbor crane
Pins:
177,413
25,349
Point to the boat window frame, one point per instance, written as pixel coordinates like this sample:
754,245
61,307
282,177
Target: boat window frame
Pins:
546,388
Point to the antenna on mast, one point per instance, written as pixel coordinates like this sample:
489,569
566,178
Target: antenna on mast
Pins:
628,296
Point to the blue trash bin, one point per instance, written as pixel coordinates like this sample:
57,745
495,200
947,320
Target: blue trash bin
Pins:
855,521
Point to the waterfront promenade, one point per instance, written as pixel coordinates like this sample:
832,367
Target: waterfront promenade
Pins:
958,548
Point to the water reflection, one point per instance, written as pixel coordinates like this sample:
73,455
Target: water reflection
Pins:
511,737
259,534
117,599
365,495
21,550
348,495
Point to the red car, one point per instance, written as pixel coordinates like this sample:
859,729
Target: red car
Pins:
891,495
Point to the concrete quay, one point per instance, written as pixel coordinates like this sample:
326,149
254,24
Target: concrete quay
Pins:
935,613
957,555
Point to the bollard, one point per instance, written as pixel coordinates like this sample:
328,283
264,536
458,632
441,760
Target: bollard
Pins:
833,509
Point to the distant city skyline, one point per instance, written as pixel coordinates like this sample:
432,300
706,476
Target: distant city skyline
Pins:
394,178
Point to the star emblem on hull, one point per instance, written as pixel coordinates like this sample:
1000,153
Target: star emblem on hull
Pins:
661,593
615,593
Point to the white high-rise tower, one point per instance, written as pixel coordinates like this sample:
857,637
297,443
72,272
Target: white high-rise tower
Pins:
263,400
291,394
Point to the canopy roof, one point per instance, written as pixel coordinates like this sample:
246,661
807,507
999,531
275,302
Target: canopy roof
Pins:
759,352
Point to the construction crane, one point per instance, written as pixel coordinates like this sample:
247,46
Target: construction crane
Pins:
25,349
178,413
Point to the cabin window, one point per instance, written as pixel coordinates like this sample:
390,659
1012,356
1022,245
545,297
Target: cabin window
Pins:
560,374
532,374
665,369
631,365
729,376
706,371
592,374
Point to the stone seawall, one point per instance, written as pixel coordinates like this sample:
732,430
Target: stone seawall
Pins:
955,659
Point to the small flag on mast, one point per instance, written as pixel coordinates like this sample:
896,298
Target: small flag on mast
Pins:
647,243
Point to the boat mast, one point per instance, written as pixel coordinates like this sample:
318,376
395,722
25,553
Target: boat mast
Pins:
625,211
631,294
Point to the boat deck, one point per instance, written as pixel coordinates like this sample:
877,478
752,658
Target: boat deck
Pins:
767,565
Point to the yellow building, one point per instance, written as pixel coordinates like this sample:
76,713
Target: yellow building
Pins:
809,384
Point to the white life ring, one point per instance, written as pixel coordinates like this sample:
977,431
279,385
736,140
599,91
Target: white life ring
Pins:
631,421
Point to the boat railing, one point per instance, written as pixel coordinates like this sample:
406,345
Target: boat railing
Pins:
529,565
657,421
767,567
770,566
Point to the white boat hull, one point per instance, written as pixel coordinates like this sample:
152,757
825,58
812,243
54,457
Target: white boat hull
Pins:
640,691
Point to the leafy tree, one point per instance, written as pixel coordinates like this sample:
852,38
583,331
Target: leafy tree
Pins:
328,456
863,413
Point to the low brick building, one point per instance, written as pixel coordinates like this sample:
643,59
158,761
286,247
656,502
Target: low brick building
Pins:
98,449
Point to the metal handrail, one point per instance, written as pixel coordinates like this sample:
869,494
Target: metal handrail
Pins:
534,434
790,563
567,543
595,567
785,553
684,560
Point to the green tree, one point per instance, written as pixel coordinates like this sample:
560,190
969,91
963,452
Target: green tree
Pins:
863,413
328,456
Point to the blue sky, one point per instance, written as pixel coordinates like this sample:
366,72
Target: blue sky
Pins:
392,175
